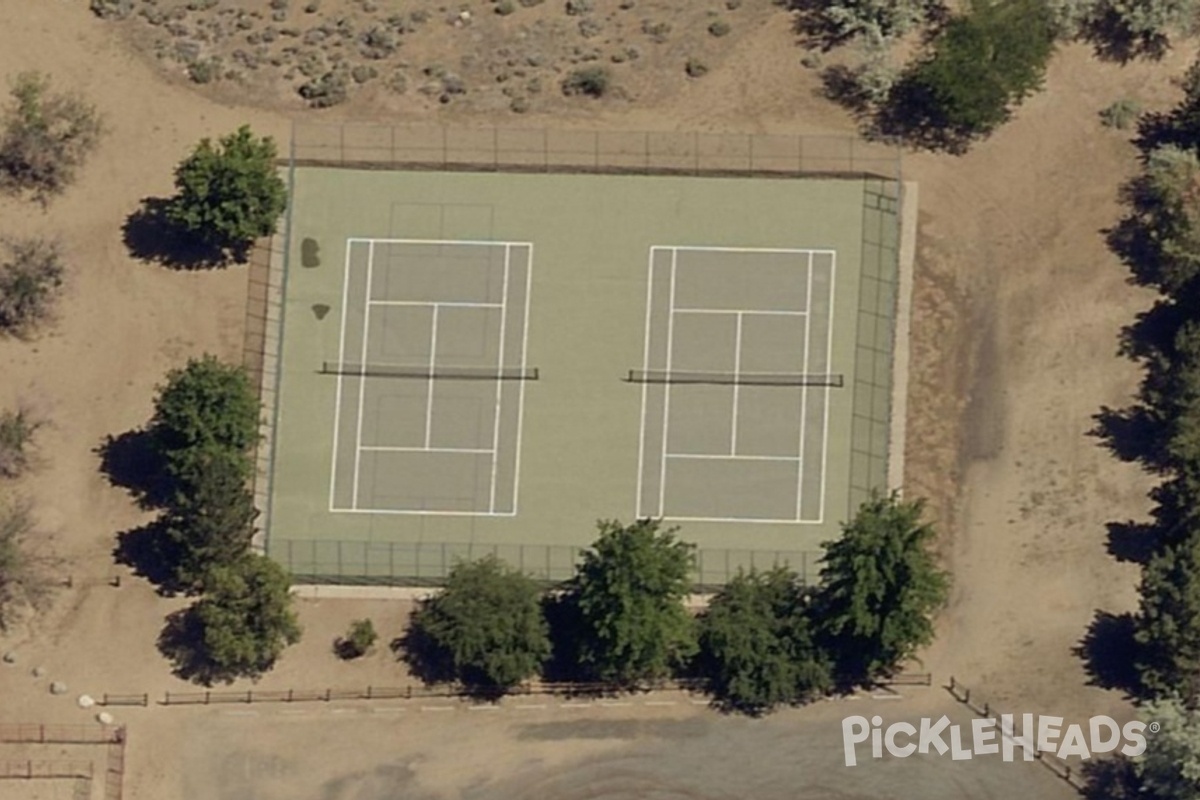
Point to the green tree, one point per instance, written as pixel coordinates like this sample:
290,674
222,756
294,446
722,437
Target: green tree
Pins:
629,593
1168,622
756,647
229,194
239,628
1170,767
880,587
46,137
980,65
210,520
486,628
207,404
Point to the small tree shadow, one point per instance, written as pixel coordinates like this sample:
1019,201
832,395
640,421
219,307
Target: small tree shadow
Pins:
1131,434
132,462
911,114
150,236
1133,542
427,659
1109,653
563,617
182,643
152,555
1112,40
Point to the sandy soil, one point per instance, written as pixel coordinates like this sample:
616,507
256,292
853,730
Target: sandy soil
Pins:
1017,303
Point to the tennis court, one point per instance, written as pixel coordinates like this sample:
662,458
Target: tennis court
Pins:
737,384
476,363
430,377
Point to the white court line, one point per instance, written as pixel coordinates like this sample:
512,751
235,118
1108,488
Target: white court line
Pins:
662,480
828,369
521,388
427,303
478,242
737,370
388,449
766,312
337,405
483,708
724,457
499,384
747,520
425,512
660,703
432,363
437,708
685,248
362,385
530,707
645,387
804,398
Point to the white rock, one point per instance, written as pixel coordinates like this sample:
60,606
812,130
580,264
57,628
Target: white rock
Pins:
104,718
58,687
465,16
85,701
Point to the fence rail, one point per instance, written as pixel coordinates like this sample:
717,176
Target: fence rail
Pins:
123,700
367,146
972,700
30,769
28,733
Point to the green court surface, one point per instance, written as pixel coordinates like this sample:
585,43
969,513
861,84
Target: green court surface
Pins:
486,362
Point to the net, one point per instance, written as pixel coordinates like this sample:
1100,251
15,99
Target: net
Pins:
425,372
735,378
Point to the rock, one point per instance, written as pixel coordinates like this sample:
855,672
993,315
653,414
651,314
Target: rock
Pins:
104,718
86,701
10,657
58,687
38,672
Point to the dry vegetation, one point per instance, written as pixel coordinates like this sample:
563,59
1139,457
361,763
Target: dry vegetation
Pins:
482,55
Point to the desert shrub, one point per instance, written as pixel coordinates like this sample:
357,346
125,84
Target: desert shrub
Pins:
327,90
1121,114
112,9
719,28
531,3
229,193
358,641
362,73
31,275
505,7
377,43
590,81
17,429
695,68
46,137
23,578
841,20
979,66
1123,29
657,31
204,70
577,7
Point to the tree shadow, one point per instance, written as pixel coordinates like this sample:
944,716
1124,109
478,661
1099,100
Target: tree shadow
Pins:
428,660
840,85
153,555
1112,40
182,643
912,115
1113,778
150,236
1133,542
1132,434
563,617
132,462
1109,653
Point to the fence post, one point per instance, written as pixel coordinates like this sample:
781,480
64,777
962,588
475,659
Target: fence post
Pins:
290,695
328,695
249,696
987,709
750,150
408,692
369,693
696,151
967,696
207,696
42,734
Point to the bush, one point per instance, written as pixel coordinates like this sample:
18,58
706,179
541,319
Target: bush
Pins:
1121,114
590,81
229,193
981,64
629,593
505,7
31,276
23,580
46,137
719,28
756,648
486,629
841,20
17,429
112,9
239,629
695,68
326,91
358,641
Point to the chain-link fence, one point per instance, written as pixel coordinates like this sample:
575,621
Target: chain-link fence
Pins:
428,563
367,146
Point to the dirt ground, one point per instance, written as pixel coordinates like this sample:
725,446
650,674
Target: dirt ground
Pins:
1017,310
